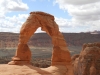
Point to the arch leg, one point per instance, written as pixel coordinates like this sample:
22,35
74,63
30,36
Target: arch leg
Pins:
23,53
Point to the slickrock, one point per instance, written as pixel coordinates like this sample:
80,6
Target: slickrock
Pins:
60,54
31,70
88,62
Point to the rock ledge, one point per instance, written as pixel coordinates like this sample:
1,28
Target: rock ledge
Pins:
6,69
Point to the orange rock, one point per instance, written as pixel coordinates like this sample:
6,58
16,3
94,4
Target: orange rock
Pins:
31,70
88,62
60,54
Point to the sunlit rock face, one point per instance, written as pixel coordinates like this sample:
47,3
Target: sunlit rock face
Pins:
60,55
88,62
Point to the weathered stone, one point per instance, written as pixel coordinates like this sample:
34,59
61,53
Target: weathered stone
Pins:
31,70
88,62
60,54
74,57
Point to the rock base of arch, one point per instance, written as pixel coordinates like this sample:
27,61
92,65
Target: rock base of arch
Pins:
6,69
60,54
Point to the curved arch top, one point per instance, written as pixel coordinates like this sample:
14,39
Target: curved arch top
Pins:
60,54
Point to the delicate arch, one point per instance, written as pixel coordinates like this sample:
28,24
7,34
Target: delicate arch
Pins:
60,54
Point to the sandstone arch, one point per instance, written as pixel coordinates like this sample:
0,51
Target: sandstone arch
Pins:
60,54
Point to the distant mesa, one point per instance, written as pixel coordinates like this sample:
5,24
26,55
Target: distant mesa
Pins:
92,32
10,40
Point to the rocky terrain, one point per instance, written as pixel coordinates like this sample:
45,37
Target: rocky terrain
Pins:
55,61
6,69
41,45
88,61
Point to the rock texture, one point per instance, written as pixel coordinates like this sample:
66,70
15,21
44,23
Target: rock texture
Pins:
60,54
88,62
31,70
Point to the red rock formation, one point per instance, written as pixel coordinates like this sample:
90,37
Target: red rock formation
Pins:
60,54
88,62
31,70
74,57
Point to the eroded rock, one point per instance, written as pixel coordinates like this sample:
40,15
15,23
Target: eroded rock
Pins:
60,54
88,62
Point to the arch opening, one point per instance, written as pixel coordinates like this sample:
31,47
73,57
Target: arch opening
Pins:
41,50
60,54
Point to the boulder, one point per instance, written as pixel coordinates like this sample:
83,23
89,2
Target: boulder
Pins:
88,62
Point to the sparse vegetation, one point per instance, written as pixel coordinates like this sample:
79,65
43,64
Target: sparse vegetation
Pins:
41,46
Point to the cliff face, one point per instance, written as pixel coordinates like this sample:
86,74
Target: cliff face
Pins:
10,40
88,62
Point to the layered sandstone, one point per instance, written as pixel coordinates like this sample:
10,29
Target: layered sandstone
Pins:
88,62
60,54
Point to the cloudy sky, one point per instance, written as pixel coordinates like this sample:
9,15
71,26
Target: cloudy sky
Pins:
70,15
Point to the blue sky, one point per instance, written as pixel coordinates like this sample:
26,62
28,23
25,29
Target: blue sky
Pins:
71,16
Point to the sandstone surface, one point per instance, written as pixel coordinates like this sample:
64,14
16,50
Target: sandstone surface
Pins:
88,62
31,70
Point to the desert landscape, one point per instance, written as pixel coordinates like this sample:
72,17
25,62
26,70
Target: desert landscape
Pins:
53,54
41,46
50,37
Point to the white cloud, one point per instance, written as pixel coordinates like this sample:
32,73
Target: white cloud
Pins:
12,5
62,22
11,24
71,25
16,5
76,2
85,13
